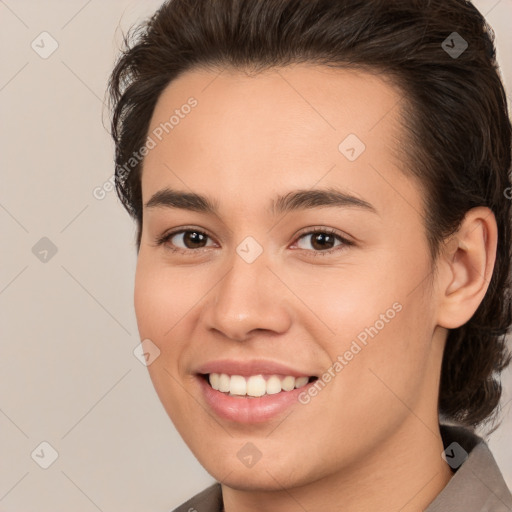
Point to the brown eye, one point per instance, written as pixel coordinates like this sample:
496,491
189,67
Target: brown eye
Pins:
193,239
184,240
322,241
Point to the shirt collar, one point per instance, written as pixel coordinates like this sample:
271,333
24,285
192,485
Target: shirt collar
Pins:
477,484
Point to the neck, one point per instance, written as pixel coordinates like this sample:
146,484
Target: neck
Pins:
405,474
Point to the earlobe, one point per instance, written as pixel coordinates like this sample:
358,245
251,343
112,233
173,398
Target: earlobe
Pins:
468,261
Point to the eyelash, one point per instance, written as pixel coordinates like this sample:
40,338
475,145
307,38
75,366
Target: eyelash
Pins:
163,239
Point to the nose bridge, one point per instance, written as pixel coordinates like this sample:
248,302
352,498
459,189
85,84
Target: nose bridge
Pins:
247,297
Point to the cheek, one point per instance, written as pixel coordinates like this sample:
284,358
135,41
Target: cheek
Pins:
387,360
381,325
342,302
162,298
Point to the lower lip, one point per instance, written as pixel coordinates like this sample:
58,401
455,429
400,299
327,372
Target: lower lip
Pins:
249,410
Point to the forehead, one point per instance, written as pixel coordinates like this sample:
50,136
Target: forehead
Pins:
292,126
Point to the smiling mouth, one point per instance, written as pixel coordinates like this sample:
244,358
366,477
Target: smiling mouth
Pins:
255,385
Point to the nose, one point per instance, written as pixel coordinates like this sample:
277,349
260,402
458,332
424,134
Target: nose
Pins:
248,298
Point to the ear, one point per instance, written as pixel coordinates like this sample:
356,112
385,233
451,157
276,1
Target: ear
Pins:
465,267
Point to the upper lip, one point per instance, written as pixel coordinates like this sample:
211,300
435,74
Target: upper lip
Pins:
250,367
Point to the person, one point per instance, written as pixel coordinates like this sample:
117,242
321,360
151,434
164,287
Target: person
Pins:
322,288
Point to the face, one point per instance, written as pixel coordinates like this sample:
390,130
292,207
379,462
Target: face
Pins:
270,276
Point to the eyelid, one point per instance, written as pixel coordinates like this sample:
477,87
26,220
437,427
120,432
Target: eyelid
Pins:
310,230
324,229
162,239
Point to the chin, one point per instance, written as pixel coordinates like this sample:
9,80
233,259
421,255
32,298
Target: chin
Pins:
264,476
254,482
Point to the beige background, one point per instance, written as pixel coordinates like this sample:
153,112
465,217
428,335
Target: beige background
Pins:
68,373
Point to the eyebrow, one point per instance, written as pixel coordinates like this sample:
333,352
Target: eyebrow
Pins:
292,201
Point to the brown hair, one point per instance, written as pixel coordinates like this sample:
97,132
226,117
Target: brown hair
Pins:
459,132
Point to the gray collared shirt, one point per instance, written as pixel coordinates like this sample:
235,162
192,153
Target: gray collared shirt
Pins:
476,486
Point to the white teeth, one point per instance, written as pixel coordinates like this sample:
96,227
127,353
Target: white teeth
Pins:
214,380
224,382
255,385
301,381
288,383
238,385
273,385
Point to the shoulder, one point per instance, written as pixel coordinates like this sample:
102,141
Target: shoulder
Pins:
208,500
477,484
